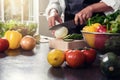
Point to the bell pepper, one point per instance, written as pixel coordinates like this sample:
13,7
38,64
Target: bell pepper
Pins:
14,38
95,26
91,37
92,27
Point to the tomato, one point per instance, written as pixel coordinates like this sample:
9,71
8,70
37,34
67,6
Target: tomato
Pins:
101,28
90,55
66,52
75,58
4,44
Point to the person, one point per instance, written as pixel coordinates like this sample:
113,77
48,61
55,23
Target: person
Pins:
79,10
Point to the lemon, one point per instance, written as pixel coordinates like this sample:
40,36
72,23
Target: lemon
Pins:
56,57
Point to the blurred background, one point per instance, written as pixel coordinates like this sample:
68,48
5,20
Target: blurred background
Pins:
26,11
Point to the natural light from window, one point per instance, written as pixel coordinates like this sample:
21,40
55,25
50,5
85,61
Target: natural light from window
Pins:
20,10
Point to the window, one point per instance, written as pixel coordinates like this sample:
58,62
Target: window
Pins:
1,10
20,10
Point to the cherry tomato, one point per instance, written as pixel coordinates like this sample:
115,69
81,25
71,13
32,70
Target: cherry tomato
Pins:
75,58
90,55
4,44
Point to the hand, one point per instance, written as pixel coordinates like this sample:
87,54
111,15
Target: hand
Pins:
82,16
53,18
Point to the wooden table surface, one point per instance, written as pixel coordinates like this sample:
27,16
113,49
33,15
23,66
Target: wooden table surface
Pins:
33,65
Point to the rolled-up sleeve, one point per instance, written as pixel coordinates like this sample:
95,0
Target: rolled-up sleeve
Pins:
54,4
115,4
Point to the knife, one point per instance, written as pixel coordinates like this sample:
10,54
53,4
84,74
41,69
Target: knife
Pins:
68,24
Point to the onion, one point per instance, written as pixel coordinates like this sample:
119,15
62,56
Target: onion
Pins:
27,42
61,32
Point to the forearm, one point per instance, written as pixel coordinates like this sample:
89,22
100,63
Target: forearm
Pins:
100,7
115,4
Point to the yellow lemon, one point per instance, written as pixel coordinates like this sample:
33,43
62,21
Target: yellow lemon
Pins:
56,57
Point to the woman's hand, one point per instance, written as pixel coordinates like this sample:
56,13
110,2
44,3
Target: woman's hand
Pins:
53,18
82,16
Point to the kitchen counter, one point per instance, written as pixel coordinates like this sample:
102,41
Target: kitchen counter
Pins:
33,65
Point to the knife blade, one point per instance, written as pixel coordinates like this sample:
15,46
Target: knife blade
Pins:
68,24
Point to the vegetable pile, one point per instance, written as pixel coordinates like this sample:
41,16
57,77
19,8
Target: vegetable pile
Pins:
107,44
24,29
74,58
104,32
12,34
109,22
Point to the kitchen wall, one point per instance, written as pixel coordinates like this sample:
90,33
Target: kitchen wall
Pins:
43,25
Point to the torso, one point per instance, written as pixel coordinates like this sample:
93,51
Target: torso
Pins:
73,7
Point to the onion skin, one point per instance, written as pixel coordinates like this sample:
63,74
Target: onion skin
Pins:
27,42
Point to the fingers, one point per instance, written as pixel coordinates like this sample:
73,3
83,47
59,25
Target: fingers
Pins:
80,18
76,19
59,20
52,20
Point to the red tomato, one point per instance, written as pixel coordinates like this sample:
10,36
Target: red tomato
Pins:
4,44
67,52
90,55
75,58
102,29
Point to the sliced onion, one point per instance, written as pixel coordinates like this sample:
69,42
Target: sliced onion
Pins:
61,32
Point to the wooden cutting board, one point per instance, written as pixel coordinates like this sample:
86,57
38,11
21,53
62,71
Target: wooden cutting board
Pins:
64,45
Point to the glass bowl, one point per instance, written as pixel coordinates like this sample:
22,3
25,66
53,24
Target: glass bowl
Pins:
103,42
